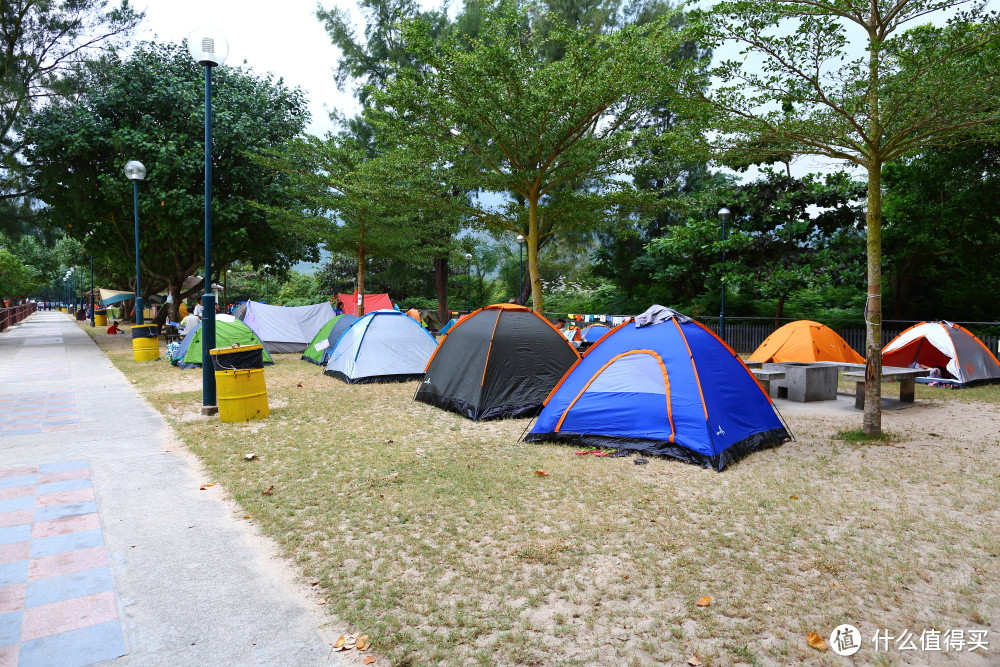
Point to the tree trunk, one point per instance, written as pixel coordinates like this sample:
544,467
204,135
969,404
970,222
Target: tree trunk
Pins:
779,310
441,285
174,289
361,281
534,277
872,420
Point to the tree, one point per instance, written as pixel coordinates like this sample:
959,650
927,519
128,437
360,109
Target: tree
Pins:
799,89
490,113
149,107
41,45
941,229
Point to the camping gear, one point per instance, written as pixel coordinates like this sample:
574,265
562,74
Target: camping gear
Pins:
956,350
593,333
382,346
372,302
228,332
239,383
284,329
447,327
669,387
145,342
319,349
499,361
807,342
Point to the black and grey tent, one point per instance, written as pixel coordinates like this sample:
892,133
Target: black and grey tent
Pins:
501,361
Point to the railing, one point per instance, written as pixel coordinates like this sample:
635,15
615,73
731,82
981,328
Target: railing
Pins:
14,314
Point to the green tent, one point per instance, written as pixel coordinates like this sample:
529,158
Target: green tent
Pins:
318,351
228,332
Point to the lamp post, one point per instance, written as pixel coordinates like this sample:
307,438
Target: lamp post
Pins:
468,282
209,48
92,292
135,172
520,267
724,216
267,276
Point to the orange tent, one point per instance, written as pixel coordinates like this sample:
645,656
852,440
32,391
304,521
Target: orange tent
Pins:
805,341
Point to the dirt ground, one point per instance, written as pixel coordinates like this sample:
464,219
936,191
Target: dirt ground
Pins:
439,538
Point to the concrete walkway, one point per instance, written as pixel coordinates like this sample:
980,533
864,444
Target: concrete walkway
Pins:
108,549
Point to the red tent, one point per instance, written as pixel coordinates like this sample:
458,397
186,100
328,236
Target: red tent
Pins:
372,302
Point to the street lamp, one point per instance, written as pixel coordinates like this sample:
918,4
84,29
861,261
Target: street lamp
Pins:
135,172
267,275
724,216
468,282
520,267
209,48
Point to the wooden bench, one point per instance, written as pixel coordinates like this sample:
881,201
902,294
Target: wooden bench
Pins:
765,377
907,378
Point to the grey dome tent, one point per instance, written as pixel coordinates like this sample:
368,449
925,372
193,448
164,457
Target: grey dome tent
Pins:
382,346
286,329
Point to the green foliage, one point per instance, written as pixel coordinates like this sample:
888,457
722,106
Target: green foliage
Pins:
150,107
942,229
41,45
299,287
491,113
17,279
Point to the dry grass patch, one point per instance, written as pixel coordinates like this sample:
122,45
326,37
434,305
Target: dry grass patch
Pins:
435,536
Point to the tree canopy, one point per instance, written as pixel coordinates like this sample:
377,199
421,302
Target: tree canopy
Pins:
149,107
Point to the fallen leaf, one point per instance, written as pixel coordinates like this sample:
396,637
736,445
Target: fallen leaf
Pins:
250,457
388,442
268,491
541,473
202,488
794,497
704,602
369,660
248,516
363,642
210,484
693,661
817,642
321,602
299,384
340,642
315,583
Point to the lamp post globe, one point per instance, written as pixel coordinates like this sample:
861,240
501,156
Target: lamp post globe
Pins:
723,216
209,48
135,171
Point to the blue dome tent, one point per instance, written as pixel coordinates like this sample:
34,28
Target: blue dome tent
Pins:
662,384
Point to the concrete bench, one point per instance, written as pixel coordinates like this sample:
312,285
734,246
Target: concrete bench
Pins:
754,364
907,378
765,377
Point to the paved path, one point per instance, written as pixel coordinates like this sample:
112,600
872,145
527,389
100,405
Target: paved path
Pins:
108,549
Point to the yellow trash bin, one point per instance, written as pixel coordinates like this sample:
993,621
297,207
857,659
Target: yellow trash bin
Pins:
145,342
100,318
239,383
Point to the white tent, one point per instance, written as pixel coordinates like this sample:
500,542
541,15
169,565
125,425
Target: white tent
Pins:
285,329
949,346
382,346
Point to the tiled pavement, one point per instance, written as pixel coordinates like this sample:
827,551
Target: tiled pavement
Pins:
109,550
57,598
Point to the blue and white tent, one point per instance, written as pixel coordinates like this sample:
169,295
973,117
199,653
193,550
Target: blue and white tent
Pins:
382,346
662,384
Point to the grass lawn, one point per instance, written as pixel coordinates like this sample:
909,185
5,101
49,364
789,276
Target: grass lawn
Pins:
437,537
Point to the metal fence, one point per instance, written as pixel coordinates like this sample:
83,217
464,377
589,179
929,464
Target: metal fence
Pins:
745,337
14,314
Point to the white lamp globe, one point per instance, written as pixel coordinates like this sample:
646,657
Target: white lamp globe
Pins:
208,46
135,170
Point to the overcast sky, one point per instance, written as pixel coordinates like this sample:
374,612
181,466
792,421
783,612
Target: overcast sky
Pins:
282,37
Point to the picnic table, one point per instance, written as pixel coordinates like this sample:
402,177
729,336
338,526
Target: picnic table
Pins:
764,377
907,378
